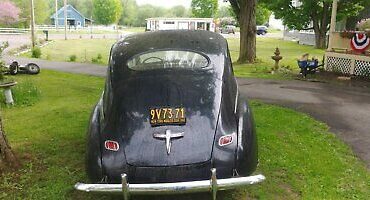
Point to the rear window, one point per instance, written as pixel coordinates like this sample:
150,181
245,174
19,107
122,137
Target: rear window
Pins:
168,59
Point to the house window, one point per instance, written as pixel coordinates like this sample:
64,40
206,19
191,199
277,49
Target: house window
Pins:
169,22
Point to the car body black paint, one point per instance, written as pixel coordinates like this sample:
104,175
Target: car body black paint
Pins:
209,96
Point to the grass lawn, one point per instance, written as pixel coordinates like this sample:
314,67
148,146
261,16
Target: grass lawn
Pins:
134,29
86,49
290,51
298,155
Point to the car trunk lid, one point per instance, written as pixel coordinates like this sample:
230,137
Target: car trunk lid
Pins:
200,96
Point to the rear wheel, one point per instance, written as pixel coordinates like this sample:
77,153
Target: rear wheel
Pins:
32,68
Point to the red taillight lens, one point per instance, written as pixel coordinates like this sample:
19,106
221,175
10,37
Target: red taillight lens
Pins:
111,145
225,140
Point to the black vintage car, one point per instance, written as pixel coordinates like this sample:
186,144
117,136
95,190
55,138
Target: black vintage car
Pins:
170,119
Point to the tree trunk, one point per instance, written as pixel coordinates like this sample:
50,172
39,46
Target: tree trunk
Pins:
320,26
320,40
247,22
7,157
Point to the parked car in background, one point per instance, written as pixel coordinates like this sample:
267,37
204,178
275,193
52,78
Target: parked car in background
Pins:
262,30
171,119
228,29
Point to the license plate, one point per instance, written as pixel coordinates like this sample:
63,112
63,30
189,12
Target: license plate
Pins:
164,116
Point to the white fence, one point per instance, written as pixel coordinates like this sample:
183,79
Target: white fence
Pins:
351,64
5,31
15,31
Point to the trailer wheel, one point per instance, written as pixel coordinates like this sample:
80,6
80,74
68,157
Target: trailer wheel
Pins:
13,68
32,68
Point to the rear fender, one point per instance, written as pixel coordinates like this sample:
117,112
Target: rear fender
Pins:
93,155
247,151
223,157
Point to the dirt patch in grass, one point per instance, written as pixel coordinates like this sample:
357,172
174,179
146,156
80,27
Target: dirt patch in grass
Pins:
289,192
338,78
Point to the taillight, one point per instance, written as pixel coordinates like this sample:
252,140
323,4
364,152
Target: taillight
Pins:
225,140
111,145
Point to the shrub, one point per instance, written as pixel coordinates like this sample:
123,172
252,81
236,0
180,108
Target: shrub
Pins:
72,58
36,52
94,60
97,59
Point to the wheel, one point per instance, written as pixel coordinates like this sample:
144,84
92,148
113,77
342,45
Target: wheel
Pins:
13,68
32,68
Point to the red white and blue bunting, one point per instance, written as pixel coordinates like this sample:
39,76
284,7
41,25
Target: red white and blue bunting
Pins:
360,42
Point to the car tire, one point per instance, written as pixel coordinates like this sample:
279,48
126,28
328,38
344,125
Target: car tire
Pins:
32,68
13,68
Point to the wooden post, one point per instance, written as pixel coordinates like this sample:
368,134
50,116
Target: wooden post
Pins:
56,19
33,24
65,19
332,24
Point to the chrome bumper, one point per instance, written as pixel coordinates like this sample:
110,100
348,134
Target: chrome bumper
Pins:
212,185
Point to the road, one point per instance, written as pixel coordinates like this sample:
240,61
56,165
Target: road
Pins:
345,109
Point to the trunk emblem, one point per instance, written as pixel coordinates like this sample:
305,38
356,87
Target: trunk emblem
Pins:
168,136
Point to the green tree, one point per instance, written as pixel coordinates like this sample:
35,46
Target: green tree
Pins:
262,14
245,12
85,7
204,8
313,14
144,12
178,11
42,11
148,11
129,12
225,11
107,11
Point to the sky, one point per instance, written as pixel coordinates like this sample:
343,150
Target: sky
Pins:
170,3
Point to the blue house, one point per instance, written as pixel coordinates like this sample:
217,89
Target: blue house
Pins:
74,18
